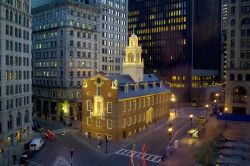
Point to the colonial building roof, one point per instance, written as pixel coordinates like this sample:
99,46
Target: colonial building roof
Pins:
128,88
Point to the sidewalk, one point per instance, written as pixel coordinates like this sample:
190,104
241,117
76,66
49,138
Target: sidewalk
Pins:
115,146
6,158
186,150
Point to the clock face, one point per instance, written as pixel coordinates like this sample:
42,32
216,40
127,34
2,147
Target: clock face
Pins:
98,80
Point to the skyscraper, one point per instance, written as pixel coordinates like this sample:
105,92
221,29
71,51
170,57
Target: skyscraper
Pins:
238,63
72,40
15,72
179,38
113,34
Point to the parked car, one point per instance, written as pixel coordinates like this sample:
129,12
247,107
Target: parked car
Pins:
36,144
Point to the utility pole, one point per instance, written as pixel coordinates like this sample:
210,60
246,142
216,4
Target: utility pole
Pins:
106,140
71,156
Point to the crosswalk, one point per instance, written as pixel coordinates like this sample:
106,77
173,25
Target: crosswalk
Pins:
61,161
140,155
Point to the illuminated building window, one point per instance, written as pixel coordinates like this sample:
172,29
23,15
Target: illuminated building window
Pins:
124,123
98,107
124,106
139,117
129,121
134,122
143,116
148,101
173,77
98,122
109,124
139,102
88,105
134,104
89,121
109,107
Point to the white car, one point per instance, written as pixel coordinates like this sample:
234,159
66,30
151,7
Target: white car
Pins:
36,144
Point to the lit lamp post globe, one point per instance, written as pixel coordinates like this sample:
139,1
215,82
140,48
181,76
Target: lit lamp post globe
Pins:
173,100
191,119
170,131
206,109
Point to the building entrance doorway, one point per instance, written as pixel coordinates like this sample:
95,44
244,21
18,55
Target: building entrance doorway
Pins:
124,134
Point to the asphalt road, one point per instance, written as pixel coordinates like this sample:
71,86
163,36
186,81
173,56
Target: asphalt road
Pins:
58,150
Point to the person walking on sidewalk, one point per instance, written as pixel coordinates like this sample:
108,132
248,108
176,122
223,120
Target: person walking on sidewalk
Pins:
99,142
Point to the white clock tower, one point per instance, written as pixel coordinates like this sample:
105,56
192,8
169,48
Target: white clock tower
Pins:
133,64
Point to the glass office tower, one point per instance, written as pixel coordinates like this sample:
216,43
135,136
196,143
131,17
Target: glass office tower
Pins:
180,40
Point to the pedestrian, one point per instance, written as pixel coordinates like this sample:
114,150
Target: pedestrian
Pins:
99,144
14,159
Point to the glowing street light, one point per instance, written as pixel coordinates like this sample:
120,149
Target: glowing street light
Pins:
206,109
191,119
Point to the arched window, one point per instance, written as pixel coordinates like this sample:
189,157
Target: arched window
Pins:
18,119
10,122
130,57
137,57
239,95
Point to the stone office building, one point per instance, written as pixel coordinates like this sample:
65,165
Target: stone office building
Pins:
238,58
15,72
73,39
65,50
122,105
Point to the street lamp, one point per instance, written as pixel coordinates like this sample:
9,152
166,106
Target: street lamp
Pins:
170,132
225,110
173,100
191,120
206,109
71,156
106,140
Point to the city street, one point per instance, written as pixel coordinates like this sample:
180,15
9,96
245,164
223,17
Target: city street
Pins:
57,152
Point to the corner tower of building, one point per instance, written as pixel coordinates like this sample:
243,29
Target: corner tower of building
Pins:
133,64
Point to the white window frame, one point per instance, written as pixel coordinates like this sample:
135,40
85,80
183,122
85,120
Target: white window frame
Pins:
109,121
109,111
124,106
88,104
124,123
134,121
134,104
129,121
89,121
98,122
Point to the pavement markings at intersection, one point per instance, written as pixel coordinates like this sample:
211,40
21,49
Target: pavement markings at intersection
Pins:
61,161
140,155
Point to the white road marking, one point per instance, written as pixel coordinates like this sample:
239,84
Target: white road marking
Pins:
145,156
61,161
